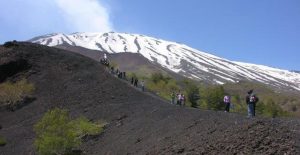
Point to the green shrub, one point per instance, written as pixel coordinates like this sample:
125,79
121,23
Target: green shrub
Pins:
12,93
131,74
157,77
270,109
57,133
84,127
238,104
2,141
192,94
162,85
213,98
113,64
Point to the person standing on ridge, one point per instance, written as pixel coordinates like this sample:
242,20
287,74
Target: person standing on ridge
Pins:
182,100
105,57
173,97
179,98
251,100
227,103
143,85
124,76
250,105
132,80
136,82
254,99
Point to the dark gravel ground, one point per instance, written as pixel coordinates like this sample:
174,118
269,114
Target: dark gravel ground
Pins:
138,123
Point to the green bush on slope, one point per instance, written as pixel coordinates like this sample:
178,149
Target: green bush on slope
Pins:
57,133
12,93
2,141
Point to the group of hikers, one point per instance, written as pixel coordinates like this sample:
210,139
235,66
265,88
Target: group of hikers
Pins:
178,99
251,100
104,60
119,74
134,82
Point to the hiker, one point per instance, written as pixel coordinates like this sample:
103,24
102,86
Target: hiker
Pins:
120,75
112,69
143,85
179,99
105,57
251,100
132,80
227,103
136,82
117,72
101,60
254,100
104,60
124,75
182,99
173,98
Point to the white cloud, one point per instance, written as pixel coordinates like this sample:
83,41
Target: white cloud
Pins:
85,15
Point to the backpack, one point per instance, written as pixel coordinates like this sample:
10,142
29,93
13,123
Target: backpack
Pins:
252,99
226,99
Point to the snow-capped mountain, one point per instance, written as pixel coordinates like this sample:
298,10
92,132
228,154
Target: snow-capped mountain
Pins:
178,58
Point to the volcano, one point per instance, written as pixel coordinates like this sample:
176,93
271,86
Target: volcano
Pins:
138,122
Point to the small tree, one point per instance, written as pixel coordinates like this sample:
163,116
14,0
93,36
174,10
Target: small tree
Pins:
57,133
271,109
2,141
158,76
214,98
113,64
12,94
132,75
193,94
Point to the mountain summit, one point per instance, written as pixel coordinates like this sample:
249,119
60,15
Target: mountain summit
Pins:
178,58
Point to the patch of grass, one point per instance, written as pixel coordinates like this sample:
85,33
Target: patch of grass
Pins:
163,88
2,141
84,127
12,93
57,133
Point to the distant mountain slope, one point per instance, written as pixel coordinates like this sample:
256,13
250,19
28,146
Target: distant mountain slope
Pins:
178,58
125,61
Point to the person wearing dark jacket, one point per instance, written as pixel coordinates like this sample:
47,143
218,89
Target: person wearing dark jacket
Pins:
143,85
254,104
251,100
136,82
132,80
227,102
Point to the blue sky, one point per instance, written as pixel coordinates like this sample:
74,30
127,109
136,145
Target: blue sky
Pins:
257,31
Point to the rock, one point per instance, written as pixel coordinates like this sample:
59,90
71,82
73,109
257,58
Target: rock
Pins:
180,150
138,140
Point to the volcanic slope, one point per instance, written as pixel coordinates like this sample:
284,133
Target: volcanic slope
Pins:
137,122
